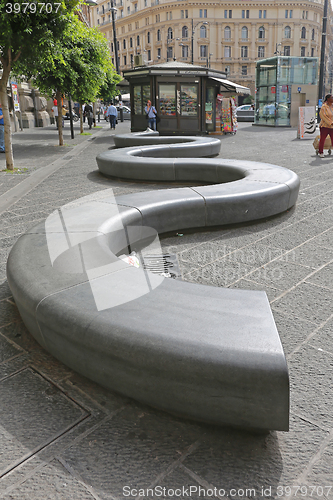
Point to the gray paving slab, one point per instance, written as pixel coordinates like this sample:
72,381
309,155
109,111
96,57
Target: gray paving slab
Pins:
212,456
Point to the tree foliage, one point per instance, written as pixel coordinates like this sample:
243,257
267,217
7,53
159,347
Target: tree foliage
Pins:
78,64
25,35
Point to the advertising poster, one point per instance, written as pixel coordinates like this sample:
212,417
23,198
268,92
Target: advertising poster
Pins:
307,123
15,95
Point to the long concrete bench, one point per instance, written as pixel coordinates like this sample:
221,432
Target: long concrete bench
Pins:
207,353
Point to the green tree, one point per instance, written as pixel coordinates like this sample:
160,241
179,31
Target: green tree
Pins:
28,31
78,64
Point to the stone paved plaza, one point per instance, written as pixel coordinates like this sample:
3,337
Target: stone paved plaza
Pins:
63,437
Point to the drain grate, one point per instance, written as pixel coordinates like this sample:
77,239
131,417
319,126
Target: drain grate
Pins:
166,265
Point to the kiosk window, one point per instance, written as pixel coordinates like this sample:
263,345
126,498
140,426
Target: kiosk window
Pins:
189,100
167,98
141,94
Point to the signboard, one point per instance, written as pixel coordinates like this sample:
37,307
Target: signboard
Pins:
16,102
307,123
273,90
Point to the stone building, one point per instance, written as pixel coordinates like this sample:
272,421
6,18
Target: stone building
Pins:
228,36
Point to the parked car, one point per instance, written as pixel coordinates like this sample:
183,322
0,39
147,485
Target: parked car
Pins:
244,107
126,113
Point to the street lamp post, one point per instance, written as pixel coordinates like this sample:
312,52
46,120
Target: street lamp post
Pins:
192,37
113,15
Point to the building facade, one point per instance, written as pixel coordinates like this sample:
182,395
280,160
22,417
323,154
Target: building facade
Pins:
227,36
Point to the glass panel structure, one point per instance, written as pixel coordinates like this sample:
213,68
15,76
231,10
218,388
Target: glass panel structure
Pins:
189,100
274,78
167,98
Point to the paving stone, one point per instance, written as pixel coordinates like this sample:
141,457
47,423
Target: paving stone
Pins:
245,284
309,255
306,301
321,474
134,447
47,413
7,349
52,482
279,274
323,277
293,332
311,374
323,340
231,459
8,312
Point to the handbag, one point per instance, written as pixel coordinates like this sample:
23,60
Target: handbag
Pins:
158,119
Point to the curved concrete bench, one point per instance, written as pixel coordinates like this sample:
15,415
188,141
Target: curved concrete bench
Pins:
203,352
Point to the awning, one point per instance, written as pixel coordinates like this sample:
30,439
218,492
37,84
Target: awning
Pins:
231,86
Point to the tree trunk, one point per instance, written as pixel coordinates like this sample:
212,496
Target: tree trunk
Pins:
94,110
6,116
81,119
59,118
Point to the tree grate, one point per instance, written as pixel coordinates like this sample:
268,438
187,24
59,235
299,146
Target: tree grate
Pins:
166,265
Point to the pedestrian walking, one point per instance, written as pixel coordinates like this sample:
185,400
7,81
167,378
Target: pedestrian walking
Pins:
2,131
151,115
112,114
326,123
89,113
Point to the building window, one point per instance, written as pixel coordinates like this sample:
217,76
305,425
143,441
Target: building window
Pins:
145,3
128,10
158,35
203,13
261,32
203,51
124,43
138,40
157,18
169,53
135,7
286,50
304,14
225,14
97,10
303,33
227,70
98,21
132,60
186,14
261,51
125,60
230,14
313,34
227,51
302,51
203,32
290,14
244,70
287,32
148,37
103,9
286,14
131,42
158,53
245,14
149,55
147,21
184,32
118,46
245,33
227,33
312,52
184,51
244,51
315,16
262,14
111,47
182,14
170,34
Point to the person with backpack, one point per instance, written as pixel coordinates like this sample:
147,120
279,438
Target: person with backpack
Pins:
151,115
